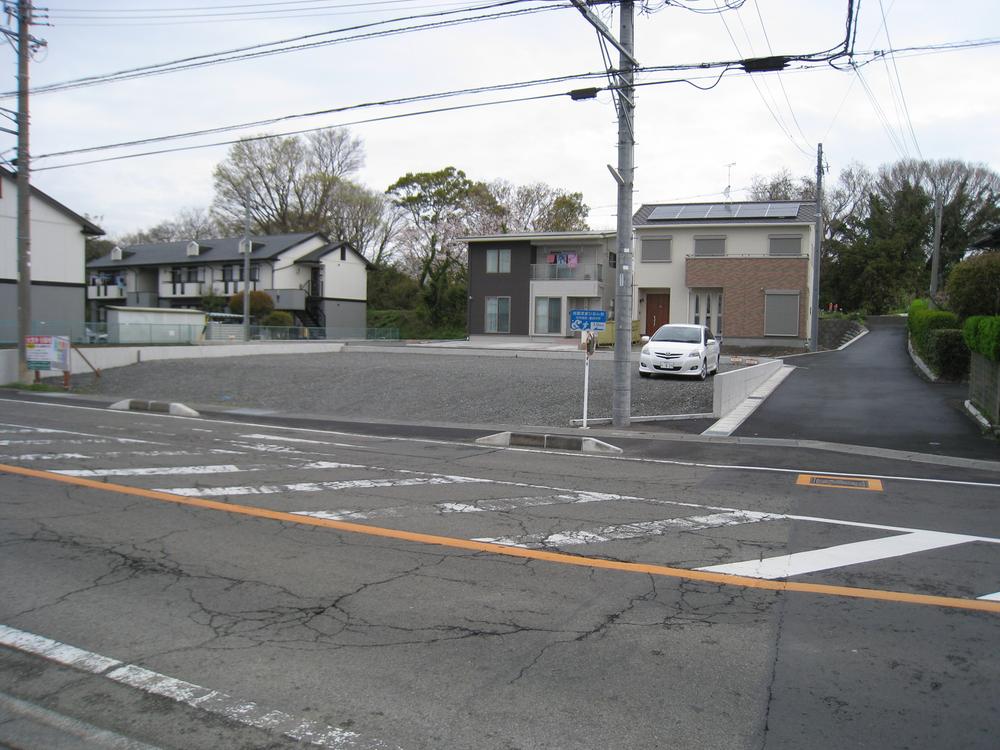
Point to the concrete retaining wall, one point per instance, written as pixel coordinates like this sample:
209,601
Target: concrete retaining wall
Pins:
105,357
730,388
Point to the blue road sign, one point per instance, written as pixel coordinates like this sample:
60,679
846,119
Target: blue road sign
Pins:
587,320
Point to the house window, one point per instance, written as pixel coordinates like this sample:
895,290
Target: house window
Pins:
784,244
710,245
498,261
656,249
706,308
497,315
192,274
343,252
548,315
781,313
612,260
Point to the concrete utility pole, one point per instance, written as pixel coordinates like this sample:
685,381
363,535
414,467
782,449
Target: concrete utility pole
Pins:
23,192
621,403
245,247
936,256
817,254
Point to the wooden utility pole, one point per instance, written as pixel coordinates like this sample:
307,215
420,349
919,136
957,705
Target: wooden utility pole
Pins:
936,255
817,254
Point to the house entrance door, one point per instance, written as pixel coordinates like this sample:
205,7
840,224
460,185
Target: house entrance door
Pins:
706,309
657,311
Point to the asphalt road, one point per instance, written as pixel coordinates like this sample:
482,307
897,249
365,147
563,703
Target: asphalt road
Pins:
382,613
871,394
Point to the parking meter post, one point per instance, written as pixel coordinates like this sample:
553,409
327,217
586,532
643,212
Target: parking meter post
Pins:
586,339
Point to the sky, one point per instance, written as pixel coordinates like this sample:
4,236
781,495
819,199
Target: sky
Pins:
691,143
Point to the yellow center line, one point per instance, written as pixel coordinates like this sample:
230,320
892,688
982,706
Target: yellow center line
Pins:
530,554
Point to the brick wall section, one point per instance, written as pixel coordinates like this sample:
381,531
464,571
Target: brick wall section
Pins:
743,281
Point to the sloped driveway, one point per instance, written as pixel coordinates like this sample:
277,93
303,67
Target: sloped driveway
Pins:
871,394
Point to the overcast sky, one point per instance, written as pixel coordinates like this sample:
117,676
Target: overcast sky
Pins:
931,104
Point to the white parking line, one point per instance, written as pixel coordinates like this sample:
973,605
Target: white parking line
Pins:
348,484
991,597
800,563
154,471
244,712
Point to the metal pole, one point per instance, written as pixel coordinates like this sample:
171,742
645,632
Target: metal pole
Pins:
585,342
621,404
817,254
247,247
23,193
936,257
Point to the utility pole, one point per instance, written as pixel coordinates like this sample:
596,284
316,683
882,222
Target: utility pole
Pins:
23,192
621,403
817,254
936,256
245,247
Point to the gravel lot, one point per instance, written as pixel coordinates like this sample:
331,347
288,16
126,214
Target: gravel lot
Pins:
434,387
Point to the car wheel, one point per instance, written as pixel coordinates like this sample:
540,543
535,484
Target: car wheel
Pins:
703,372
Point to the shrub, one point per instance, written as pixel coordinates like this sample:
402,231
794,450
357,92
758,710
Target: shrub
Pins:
278,318
922,320
982,335
946,353
260,304
974,286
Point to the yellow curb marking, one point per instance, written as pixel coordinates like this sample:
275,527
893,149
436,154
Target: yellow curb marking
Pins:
839,482
531,554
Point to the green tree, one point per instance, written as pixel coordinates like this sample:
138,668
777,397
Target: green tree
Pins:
391,288
974,286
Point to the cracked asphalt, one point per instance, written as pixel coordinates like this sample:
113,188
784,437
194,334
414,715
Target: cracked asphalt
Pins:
402,643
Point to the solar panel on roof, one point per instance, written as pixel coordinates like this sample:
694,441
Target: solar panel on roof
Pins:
751,210
693,212
665,212
783,210
722,211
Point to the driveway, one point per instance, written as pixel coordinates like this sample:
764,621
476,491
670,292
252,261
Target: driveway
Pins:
871,394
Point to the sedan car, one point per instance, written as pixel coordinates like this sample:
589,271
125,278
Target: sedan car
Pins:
680,350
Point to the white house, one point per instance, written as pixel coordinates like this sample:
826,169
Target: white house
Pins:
743,269
58,280
322,284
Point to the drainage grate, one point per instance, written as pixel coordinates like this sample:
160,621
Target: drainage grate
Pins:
844,483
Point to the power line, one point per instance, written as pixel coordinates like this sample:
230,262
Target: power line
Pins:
261,50
899,83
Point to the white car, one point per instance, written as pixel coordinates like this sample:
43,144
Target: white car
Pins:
680,350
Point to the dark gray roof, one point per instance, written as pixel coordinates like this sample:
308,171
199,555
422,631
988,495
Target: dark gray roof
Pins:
316,255
87,226
722,213
212,251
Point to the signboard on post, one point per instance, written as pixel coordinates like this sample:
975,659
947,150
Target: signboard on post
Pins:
588,320
47,352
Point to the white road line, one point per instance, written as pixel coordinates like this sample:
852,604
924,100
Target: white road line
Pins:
44,456
244,712
27,428
632,530
286,439
857,553
991,597
349,484
505,504
154,471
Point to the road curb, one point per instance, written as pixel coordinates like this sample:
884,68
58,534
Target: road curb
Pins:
553,442
160,407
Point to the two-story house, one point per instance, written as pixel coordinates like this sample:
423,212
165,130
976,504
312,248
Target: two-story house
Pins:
58,282
322,284
526,283
743,269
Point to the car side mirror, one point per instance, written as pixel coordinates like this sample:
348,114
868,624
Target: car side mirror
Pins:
644,339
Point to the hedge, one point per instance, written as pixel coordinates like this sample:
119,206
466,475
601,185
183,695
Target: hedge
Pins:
939,340
982,335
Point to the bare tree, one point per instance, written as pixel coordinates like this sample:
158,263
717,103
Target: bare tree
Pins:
288,183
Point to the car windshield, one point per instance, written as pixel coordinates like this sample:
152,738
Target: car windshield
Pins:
679,334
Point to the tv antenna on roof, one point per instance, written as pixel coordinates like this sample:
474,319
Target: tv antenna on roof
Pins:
729,179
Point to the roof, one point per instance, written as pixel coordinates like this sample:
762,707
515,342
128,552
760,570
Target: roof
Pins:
539,236
225,249
989,240
88,226
316,255
733,212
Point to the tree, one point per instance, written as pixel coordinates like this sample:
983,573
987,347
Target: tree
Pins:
260,304
288,183
191,223
364,218
974,286
501,207
782,187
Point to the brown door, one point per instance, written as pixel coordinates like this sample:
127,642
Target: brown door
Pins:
657,312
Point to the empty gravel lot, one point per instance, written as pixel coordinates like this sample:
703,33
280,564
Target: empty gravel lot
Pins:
398,385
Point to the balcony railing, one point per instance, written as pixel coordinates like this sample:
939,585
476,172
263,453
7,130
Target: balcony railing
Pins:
557,272
181,289
105,291
229,288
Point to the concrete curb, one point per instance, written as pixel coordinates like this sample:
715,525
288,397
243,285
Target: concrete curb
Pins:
553,442
160,407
